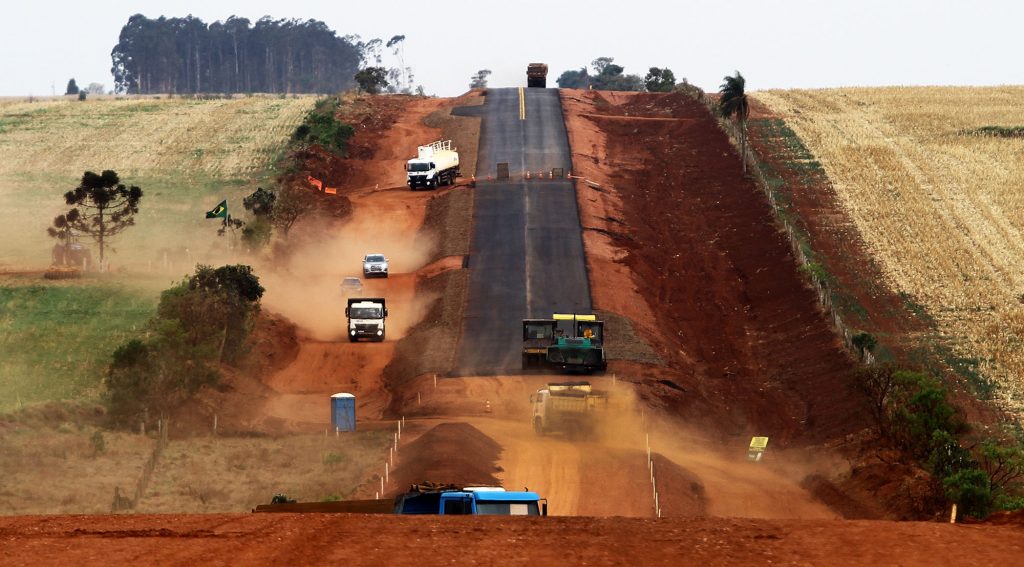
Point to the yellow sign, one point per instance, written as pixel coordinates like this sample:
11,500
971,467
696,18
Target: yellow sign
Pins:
757,448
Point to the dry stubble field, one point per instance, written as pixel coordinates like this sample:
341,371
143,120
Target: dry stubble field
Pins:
939,207
185,153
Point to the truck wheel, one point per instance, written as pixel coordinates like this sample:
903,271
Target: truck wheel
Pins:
352,339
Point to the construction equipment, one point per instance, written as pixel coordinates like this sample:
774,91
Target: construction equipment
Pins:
570,408
537,75
366,318
566,342
428,498
435,164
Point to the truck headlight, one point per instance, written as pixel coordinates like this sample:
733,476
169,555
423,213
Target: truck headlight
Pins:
352,332
379,332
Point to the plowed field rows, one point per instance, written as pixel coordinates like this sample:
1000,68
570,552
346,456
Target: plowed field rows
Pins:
939,206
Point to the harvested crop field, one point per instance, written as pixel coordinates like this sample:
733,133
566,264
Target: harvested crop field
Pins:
931,179
185,153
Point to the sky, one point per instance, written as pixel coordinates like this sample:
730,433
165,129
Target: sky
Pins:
774,43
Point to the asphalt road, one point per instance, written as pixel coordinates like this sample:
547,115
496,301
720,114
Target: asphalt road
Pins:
527,254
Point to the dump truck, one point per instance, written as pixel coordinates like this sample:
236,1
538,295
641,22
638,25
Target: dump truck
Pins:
366,317
428,498
435,164
570,408
537,75
567,343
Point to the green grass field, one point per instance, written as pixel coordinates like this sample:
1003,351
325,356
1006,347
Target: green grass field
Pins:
58,337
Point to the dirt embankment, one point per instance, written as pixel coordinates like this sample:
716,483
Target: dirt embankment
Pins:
430,346
677,225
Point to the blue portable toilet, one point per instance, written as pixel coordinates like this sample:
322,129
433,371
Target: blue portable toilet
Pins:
343,412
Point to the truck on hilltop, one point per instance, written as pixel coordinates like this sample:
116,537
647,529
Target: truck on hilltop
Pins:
435,164
537,75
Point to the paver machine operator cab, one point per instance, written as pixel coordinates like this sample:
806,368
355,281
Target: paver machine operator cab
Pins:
566,342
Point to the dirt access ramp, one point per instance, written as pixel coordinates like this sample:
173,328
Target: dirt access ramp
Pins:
679,241
290,539
607,475
383,216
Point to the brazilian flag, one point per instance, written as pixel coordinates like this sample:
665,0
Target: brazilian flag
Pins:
219,212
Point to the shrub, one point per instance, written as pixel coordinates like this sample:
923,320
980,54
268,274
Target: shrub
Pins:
918,409
200,322
322,127
971,491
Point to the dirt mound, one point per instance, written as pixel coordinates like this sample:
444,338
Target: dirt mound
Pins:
448,453
681,493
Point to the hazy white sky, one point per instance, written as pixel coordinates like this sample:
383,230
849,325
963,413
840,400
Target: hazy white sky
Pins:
796,43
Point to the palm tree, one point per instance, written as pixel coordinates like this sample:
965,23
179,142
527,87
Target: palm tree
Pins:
733,104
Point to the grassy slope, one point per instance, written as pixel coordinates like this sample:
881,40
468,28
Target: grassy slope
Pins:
186,154
58,336
939,208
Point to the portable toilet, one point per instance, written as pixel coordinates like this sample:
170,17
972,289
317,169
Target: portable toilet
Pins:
343,412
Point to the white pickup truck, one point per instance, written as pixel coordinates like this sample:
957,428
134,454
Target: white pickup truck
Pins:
375,265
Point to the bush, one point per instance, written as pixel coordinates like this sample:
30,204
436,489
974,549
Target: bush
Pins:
971,491
864,341
200,322
918,409
948,457
322,127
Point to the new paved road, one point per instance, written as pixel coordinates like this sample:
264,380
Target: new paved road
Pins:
527,253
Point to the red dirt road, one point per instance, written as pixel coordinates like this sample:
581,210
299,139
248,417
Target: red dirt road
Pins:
286,539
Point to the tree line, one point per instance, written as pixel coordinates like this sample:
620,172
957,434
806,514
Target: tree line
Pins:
186,55
607,76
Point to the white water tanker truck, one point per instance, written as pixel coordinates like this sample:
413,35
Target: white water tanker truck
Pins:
435,164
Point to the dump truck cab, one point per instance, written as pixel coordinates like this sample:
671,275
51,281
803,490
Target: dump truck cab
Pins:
366,317
570,408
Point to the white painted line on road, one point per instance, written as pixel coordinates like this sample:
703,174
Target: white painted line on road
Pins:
526,249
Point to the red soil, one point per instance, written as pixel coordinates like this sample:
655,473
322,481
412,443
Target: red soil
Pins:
292,539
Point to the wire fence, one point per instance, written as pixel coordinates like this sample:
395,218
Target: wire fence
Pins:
123,502
820,284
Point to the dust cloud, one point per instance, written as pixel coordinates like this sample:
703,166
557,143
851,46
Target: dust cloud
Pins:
306,288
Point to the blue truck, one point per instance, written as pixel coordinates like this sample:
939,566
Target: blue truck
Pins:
428,499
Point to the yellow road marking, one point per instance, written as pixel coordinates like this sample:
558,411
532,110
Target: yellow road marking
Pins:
522,104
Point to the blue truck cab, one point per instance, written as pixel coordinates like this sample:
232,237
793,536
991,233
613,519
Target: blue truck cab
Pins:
483,501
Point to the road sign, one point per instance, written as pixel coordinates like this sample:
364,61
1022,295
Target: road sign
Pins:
757,448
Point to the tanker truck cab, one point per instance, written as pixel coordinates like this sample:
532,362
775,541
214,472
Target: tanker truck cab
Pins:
435,164
366,317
